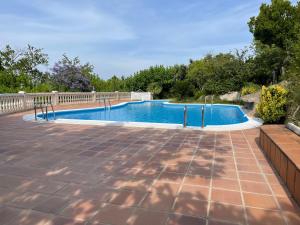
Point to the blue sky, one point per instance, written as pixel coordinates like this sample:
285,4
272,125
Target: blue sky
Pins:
122,36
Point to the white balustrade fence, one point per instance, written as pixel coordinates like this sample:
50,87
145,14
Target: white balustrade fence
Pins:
10,103
141,96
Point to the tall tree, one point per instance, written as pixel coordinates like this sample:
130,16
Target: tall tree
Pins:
275,30
275,24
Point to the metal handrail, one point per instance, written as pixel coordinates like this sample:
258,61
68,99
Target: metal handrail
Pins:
54,117
185,116
46,106
45,114
202,120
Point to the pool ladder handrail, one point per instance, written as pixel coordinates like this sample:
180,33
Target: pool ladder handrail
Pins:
41,106
185,116
202,115
211,98
104,102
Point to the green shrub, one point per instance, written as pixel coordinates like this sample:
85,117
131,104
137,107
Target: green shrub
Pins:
272,106
199,94
250,89
154,88
183,89
294,101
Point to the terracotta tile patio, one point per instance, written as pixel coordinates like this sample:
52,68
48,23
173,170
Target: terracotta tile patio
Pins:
54,174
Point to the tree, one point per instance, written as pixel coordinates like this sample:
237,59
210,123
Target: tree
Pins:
182,89
154,88
69,74
163,77
19,69
275,24
267,64
219,74
293,76
275,31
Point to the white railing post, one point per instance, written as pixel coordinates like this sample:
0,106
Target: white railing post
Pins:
23,99
131,95
55,100
117,97
94,96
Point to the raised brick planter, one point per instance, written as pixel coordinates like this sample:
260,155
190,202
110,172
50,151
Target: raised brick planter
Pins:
282,147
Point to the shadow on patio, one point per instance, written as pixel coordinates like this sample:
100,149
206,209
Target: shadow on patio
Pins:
70,174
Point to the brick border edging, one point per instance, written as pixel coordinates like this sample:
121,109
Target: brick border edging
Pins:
284,166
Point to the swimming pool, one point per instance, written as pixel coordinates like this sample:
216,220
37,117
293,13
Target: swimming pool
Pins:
158,112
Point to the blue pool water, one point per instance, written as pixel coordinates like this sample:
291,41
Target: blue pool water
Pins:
160,112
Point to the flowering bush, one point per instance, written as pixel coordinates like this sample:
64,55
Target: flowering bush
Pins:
272,106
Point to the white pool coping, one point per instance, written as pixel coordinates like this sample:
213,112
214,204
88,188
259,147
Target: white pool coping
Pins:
251,123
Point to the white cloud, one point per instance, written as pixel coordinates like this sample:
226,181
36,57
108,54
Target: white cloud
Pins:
64,24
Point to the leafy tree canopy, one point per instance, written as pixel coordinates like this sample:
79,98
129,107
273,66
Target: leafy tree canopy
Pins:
276,24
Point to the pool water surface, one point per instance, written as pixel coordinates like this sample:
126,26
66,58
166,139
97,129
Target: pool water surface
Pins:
159,112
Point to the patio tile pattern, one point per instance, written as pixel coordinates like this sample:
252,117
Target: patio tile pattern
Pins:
54,174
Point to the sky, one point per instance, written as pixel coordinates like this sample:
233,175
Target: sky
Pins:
120,37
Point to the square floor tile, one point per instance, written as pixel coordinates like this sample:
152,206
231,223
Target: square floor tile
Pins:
260,201
229,184
257,177
147,217
166,188
263,217
51,205
225,196
158,201
126,198
226,212
196,180
184,220
81,209
190,207
112,214
66,221
28,200
194,192
8,214
255,187
171,177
